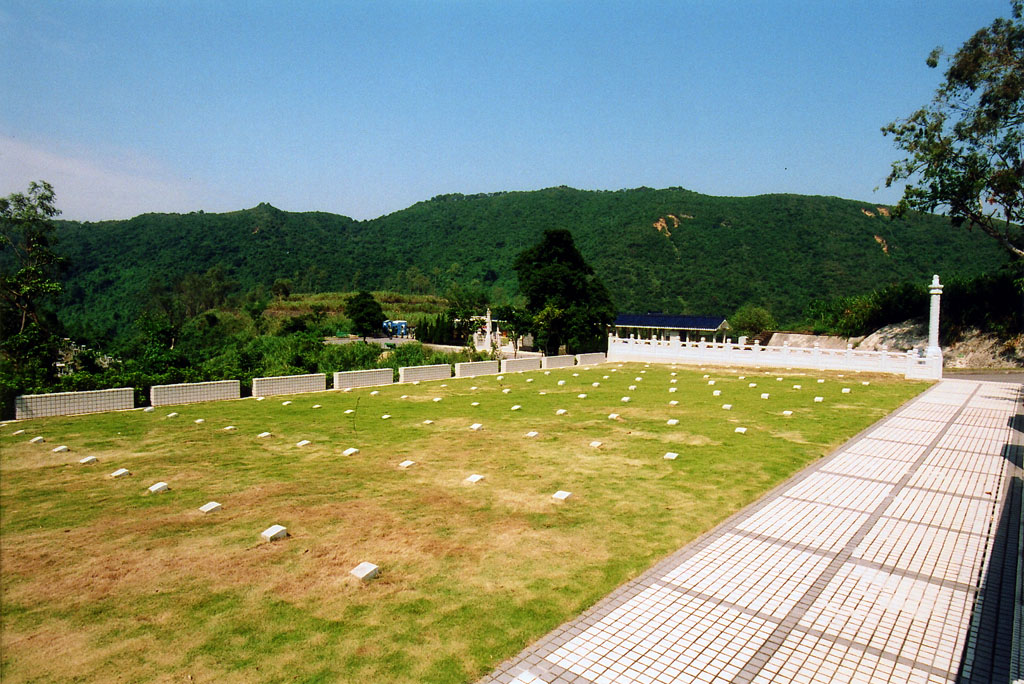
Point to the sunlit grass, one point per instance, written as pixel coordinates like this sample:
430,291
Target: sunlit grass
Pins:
104,582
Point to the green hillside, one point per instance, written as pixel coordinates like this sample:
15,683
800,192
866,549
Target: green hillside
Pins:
671,250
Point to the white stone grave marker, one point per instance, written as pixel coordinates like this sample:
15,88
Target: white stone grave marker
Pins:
316,406
351,451
561,495
613,416
532,433
581,396
428,422
561,412
716,393
596,444
274,533
753,384
475,403
365,571
263,435
741,430
60,449
437,399
88,460
172,414
36,440
517,407
386,416
406,464
818,400
787,413
820,380
286,403
625,400
711,382
473,479
148,409
727,407
632,388
671,455
672,421
529,379
473,387
595,384
672,390
797,387
765,395
347,411
846,390
259,398
199,421
673,403
404,396
211,507
561,382
18,432
475,426
506,390
120,472
158,487
501,377
673,381
302,443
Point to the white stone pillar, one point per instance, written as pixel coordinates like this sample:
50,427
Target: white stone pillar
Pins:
933,320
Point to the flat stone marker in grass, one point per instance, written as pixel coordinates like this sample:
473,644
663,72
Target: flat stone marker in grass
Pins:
18,432
778,379
672,390
561,495
595,384
473,479
476,427
711,382
316,406
638,379
404,396
752,385
542,392
581,396
351,451
260,398
716,393
631,388
532,433
613,416
765,395
60,449
821,380
302,443
797,387
517,407
727,407
506,390
406,464
274,533
374,393
673,403
818,400
386,416
596,444
787,413
347,411
437,399
428,422
88,460
672,421
671,455
501,377
575,375
264,435
846,390
475,403
605,377
529,379
673,381
286,403
229,428
741,430
199,421
561,382
210,507
706,376
365,571
158,487
121,472
37,440
473,388
865,383
561,412
148,409
172,414
625,400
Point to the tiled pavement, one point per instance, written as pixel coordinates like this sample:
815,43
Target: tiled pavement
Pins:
895,559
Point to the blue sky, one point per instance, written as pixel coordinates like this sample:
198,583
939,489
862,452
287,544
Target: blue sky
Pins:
364,108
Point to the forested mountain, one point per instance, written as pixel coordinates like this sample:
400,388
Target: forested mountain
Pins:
670,250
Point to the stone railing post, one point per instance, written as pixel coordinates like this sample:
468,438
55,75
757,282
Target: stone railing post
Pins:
935,290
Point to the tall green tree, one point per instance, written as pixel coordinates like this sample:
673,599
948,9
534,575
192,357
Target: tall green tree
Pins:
29,269
365,313
569,304
965,147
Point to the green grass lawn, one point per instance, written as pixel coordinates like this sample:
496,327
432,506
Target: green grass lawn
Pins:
103,582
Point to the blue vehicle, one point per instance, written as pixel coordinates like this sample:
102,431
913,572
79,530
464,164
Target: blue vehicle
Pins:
396,328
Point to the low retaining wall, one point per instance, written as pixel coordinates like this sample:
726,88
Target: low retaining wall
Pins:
908,364
289,384
73,403
518,365
592,358
471,369
564,361
193,392
441,371
364,378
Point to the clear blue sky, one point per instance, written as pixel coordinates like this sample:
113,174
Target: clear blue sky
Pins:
364,108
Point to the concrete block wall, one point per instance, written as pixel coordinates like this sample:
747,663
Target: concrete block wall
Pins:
364,378
588,359
73,403
516,365
289,384
441,371
471,369
558,361
192,392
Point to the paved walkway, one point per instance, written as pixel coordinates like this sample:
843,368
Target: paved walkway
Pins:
895,559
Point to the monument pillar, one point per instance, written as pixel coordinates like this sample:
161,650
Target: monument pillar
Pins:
935,290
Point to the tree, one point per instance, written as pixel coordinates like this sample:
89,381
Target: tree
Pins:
569,304
28,279
965,147
365,313
753,321
515,322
